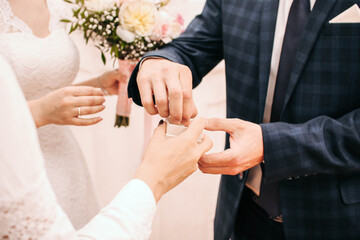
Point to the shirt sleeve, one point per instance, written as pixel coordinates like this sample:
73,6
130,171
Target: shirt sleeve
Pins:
28,205
129,215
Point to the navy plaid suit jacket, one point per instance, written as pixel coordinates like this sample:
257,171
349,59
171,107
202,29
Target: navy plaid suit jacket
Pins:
314,152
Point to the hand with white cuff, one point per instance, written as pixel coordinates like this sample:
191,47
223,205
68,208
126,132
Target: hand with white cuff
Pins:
246,147
168,161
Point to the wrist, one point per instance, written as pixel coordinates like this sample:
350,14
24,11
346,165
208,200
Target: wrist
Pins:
37,112
101,86
146,175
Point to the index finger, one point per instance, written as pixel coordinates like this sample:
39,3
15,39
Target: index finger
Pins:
146,94
219,124
85,91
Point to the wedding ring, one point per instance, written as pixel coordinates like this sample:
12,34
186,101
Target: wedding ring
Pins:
79,111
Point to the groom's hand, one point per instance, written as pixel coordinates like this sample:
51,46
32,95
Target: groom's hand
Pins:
246,147
170,84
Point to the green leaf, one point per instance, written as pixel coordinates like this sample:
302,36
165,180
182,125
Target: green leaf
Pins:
68,1
116,51
73,27
76,12
103,58
65,20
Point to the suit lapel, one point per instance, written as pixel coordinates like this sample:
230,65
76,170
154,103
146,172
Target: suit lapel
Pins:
316,20
267,32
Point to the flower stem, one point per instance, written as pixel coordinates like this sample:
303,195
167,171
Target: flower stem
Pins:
121,121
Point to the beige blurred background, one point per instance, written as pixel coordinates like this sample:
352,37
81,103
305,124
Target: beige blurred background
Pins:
113,155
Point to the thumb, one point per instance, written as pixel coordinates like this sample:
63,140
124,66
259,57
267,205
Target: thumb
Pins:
195,128
205,145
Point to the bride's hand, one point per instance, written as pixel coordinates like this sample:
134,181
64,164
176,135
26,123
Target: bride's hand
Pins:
62,106
167,161
109,81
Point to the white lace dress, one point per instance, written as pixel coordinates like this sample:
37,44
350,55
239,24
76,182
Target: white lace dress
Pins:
42,65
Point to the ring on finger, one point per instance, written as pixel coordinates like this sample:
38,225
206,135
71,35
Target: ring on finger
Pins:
79,111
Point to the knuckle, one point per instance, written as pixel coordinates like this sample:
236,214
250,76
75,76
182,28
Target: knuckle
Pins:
183,67
186,117
235,162
176,93
140,78
65,102
165,70
147,104
187,69
161,101
69,90
146,76
164,114
188,141
176,116
187,94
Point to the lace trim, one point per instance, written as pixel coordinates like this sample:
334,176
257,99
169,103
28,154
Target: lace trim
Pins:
30,216
11,23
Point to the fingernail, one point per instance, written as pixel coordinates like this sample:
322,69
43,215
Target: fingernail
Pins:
161,122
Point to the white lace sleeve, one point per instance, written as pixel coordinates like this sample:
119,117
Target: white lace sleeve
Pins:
28,206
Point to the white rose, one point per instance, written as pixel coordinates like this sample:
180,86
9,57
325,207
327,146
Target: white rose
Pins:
125,35
99,5
139,17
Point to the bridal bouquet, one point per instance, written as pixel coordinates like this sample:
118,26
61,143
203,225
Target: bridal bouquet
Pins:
126,29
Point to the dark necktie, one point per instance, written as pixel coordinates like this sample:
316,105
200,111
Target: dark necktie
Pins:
298,15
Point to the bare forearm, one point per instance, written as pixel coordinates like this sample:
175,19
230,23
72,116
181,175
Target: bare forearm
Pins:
93,82
107,82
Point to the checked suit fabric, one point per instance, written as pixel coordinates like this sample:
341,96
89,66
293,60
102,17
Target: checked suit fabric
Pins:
298,16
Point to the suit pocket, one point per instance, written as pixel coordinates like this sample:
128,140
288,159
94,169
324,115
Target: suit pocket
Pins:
350,189
341,29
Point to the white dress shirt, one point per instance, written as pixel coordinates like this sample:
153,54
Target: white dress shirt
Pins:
28,206
254,179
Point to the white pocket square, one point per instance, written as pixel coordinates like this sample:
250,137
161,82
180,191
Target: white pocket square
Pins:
350,15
